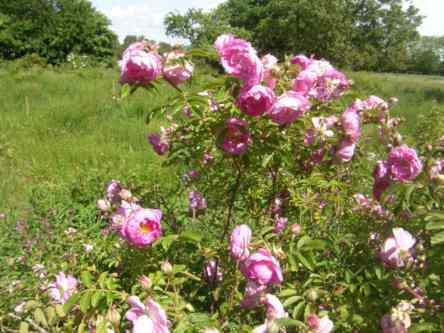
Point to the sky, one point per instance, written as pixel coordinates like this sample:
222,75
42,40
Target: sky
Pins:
145,17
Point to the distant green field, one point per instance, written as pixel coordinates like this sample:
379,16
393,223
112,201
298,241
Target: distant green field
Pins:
57,128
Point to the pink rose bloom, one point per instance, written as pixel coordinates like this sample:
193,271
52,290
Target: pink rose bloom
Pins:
147,317
289,107
351,123
103,205
139,67
269,61
302,60
113,191
236,136
256,100
192,174
404,164
160,142
375,102
397,250
435,169
331,85
212,272
296,229
262,268
304,82
62,288
346,150
320,325
196,201
176,71
120,216
253,295
239,59
142,227
362,200
240,241
382,179
279,224
275,309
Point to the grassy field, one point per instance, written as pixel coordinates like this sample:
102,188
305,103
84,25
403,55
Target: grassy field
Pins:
56,128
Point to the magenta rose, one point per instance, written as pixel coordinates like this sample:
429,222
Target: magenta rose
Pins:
139,67
240,241
289,107
404,164
346,150
351,123
236,136
262,268
240,59
142,227
256,100
302,60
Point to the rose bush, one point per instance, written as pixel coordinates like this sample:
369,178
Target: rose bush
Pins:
261,234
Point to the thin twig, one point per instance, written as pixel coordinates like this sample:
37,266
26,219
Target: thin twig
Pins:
231,203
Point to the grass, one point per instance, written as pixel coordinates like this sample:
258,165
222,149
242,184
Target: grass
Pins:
58,127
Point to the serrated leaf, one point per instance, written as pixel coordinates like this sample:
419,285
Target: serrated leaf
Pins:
24,327
40,318
438,238
86,278
71,302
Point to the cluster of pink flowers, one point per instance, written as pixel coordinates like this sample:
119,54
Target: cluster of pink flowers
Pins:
141,64
398,320
147,317
137,225
62,288
402,165
319,79
397,251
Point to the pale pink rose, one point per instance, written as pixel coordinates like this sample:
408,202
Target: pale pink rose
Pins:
253,295
192,174
103,205
142,227
289,107
275,309
207,158
147,317
362,200
88,248
435,169
175,70
240,59
397,250
390,326
236,136
398,320
302,60
346,150
262,268
320,325
213,272
256,100
240,241
404,164
351,123
139,67
62,288
166,267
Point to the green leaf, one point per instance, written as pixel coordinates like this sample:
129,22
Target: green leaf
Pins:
71,302
40,318
166,241
292,300
24,327
435,225
315,244
59,311
51,314
287,322
86,278
423,327
288,292
191,236
302,242
297,311
304,261
96,297
267,160
85,301
438,238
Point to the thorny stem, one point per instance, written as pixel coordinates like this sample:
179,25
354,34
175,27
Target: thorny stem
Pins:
231,202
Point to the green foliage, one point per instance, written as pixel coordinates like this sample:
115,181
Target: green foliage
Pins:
54,29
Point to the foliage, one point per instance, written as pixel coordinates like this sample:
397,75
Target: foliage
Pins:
54,29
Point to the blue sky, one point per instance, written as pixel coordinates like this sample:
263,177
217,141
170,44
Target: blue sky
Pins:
145,17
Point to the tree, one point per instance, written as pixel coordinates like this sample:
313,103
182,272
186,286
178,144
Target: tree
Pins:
53,29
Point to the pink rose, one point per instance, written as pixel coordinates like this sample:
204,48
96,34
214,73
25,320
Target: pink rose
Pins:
269,61
320,325
212,272
240,241
351,123
236,136
404,164
103,205
375,102
397,250
279,224
120,216
256,100
253,295
302,60
147,317
139,67
239,59
196,201
176,71
262,268
275,309
142,227
289,107
62,288
346,150
382,179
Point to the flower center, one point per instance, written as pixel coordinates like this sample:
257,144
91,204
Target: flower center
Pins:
145,227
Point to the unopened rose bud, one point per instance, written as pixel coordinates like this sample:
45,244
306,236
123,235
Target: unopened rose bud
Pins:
145,281
296,229
312,295
103,205
166,267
